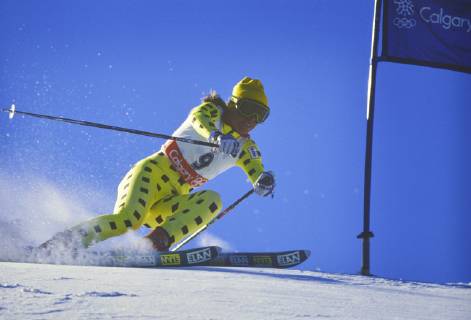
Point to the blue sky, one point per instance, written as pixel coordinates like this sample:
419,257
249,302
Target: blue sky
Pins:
145,65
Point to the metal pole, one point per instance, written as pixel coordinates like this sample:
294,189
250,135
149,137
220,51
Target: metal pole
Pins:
12,111
367,234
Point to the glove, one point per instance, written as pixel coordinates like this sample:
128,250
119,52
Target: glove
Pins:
227,143
265,184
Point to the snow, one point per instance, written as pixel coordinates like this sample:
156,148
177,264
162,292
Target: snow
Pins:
40,291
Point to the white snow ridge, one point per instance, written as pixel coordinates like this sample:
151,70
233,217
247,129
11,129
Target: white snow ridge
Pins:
39,291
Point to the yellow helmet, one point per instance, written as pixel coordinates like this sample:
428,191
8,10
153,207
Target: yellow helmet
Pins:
252,89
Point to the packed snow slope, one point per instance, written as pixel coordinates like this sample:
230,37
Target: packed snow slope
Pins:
39,291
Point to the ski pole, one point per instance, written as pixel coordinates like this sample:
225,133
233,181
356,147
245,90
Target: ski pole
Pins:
12,111
219,216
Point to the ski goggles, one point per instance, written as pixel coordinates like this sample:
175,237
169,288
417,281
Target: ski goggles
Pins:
251,109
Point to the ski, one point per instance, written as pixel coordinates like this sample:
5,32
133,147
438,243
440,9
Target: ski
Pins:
184,258
204,256
284,259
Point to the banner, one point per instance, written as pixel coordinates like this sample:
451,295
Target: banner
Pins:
435,33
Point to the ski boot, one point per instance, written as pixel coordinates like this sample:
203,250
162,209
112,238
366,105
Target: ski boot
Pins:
160,239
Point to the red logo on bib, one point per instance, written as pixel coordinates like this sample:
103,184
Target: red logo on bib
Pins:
186,171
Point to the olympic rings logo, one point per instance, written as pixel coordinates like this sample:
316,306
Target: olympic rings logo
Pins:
404,23
405,8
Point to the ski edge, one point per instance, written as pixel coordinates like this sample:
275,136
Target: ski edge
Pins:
210,256
277,260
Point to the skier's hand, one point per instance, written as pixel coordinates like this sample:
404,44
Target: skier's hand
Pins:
227,143
265,184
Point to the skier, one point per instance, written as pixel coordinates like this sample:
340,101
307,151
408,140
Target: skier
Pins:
158,191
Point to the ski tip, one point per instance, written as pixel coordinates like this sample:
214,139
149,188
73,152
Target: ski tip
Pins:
11,111
308,253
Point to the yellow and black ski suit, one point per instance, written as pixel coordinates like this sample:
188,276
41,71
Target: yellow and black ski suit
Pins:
157,191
